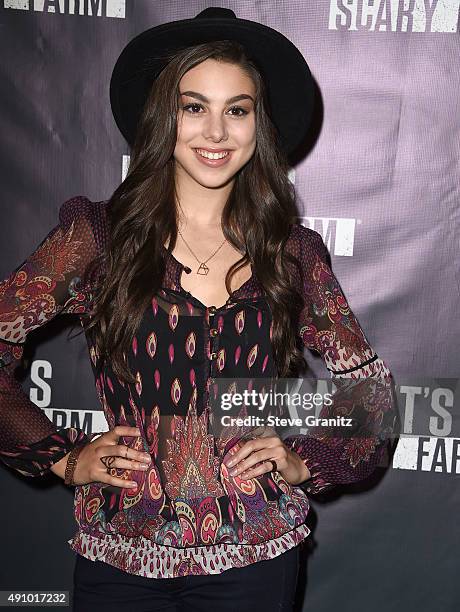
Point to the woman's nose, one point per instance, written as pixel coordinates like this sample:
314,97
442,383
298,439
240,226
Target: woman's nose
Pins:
215,128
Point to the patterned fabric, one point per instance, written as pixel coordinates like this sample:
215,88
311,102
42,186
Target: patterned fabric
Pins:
187,514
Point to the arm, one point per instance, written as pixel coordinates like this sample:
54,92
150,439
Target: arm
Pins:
51,281
365,389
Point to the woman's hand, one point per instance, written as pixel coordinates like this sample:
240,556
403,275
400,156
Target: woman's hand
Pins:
251,460
90,468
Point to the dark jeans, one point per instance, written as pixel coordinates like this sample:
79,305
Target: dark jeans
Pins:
265,586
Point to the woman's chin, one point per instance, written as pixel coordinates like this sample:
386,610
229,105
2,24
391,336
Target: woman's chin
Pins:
213,182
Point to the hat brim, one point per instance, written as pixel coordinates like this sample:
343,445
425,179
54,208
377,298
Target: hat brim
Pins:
285,72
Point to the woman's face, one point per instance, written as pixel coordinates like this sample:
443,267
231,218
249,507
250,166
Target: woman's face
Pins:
216,132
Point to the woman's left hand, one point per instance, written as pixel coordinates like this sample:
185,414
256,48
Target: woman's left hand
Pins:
251,460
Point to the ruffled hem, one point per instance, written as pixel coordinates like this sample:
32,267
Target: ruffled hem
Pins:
143,557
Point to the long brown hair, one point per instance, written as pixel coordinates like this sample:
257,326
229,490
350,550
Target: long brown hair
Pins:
142,215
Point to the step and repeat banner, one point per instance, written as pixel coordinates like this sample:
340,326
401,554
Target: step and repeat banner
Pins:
379,180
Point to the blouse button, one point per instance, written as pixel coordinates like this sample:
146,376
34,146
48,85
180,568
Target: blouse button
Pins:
213,355
213,332
212,309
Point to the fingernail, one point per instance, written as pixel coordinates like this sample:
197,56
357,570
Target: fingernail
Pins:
145,466
233,472
230,462
132,485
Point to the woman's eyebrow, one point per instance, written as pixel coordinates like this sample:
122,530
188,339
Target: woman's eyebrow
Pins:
198,96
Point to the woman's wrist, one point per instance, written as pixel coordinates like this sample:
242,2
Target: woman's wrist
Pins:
58,468
72,464
303,473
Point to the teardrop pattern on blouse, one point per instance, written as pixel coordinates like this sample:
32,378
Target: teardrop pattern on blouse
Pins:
151,344
239,322
252,356
264,363
175,391
237,354
138,383
190,344
221,359
173,318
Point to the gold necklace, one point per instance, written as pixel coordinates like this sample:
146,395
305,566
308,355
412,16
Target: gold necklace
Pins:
203,268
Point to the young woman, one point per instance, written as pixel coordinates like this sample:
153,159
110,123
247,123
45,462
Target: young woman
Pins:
194,271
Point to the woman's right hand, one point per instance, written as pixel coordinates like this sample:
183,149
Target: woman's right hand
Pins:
90,468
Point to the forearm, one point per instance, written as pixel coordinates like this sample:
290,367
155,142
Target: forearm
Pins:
29,442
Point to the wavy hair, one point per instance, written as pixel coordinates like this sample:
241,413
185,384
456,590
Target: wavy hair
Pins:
142,215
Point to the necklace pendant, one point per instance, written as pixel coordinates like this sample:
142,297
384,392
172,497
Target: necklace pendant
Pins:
203,269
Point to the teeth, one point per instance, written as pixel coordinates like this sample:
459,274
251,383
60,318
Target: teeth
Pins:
209,155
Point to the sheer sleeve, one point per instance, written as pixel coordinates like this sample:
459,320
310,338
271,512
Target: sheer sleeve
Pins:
365,389
51,281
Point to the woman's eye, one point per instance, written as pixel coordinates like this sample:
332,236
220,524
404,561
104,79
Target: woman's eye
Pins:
238,108
192,105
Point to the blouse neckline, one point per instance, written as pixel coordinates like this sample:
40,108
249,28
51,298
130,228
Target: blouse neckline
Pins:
235,295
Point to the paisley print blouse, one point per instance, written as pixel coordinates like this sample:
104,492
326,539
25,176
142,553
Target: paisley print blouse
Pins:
187,515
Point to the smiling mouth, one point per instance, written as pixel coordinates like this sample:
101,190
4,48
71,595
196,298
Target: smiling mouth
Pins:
212,155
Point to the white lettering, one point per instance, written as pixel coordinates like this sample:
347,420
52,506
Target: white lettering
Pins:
337,233
89,8
89,420
39,370
394,15
428,454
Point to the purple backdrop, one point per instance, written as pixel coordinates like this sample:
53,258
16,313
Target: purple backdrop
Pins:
381,185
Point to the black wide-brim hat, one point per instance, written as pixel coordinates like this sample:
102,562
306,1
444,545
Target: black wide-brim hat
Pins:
286,74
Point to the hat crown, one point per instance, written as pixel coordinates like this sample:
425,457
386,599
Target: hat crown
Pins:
289,84
216,12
